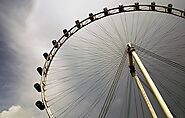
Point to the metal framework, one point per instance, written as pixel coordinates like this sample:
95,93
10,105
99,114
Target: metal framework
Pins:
94,17
154,89
138,82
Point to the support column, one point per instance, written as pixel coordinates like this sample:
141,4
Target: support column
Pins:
151,83
140,86
148,103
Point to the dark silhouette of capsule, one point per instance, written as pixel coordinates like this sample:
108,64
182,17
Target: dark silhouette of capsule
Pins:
55,44
46,56
39,69
105,10
66,33
153,6
137,6
40,105
91,17
121,8
169,9
78,24
37,87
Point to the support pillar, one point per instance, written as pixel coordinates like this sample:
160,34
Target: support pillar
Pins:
154,89
140,86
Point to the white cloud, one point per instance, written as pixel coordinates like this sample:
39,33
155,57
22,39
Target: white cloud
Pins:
15,112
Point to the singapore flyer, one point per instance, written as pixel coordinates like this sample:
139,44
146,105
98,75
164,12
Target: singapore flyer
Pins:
122,62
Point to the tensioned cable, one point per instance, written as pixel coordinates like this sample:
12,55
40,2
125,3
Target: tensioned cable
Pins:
171,94
163,59
169,24
127,114
87,56
73,88
124,95
115,96
108,100
135,100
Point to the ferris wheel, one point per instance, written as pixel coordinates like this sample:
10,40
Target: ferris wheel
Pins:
123,62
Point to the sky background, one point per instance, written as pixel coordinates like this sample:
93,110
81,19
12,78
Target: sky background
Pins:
26,30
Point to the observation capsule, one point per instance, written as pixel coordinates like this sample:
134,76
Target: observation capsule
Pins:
40,105
91,16
153,6
169,9
137,6
78,24
121,9
46,56
66,33
37,87
39,69
55,44
105,10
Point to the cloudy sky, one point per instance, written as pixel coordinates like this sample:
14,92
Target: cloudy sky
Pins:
26,30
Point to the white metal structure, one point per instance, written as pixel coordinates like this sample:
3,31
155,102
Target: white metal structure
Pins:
110,96
140,86
150,82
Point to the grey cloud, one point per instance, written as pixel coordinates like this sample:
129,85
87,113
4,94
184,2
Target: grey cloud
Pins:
13,15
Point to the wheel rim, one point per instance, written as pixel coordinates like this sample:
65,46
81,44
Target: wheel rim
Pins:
87,21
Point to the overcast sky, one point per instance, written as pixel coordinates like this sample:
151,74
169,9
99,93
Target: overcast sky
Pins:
26,30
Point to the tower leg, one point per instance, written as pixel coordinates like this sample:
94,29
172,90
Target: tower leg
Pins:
148,103
140,86
150,82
